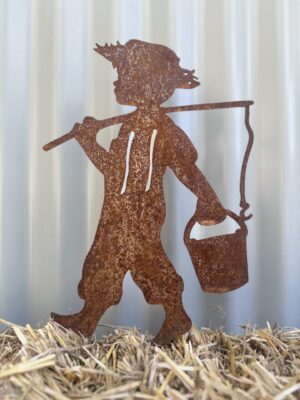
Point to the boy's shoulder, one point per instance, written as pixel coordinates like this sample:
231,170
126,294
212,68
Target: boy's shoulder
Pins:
179,141
173,130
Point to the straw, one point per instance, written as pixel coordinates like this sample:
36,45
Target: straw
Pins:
56,363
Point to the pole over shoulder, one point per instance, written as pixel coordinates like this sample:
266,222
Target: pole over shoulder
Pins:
120,118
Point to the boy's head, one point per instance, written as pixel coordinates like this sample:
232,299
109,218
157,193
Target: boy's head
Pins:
147,73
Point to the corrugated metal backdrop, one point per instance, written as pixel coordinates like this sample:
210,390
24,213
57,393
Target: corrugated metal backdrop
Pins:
51,202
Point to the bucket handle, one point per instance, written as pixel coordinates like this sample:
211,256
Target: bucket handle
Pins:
231,214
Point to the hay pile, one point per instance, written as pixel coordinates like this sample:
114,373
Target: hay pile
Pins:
54,363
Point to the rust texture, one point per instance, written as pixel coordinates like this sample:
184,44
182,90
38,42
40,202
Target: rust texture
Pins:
128,233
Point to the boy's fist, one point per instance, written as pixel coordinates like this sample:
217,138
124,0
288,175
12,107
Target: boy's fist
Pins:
210,213
89,126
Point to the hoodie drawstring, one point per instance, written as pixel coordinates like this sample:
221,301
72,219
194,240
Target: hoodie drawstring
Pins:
130,140
153,137
129,144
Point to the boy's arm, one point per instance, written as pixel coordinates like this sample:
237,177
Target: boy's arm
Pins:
86,136
182,160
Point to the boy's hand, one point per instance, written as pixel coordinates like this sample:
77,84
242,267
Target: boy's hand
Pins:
210,213
90,126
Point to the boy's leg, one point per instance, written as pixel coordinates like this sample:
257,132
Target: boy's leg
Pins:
90,264
160,283
101,287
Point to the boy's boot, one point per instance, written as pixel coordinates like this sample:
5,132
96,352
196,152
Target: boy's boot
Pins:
176,323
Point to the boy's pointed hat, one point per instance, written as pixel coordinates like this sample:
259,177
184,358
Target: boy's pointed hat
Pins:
116,53
113,53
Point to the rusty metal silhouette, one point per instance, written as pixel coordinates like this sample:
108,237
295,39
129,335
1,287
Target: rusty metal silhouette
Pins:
128,234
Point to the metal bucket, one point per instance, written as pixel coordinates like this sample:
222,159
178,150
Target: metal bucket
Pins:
220,262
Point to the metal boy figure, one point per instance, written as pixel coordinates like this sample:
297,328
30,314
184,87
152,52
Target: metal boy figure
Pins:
128,234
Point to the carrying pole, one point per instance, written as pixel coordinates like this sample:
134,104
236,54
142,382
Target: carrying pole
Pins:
121,118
